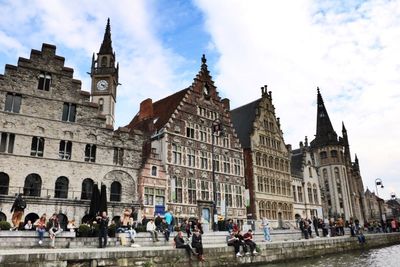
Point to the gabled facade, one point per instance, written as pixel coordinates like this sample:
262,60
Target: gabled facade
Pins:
55,144
267,161
305,186
188,129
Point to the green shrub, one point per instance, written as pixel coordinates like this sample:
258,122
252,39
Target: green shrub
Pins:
84,230
4,225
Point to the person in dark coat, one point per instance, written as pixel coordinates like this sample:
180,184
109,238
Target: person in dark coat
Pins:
164,229
248,240
18,211
180,243
197,244
157,221
102,221
235,239
315,223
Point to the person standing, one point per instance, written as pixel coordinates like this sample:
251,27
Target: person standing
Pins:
316,224
266,229
102,221
18,211
168,219
55,228
40,225
197,244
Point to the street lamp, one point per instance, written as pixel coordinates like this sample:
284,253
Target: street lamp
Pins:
216,129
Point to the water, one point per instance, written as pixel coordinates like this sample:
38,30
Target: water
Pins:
379,257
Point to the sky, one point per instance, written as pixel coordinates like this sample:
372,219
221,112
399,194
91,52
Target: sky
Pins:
349,49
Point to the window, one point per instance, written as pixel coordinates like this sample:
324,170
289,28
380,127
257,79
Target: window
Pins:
309,192
239,199
37,146
148,196
115,191
227,164
61,187
203,160
178,190
323,155
264,161
176,154
300,193
191,158
274,211
228,195
216,163
237,166
260,184
4,183
65,150
13,102
101,105
69,112
268,210
261,209
44,81
334,153
118,158
258,159
205,190
276,163
7,142
278,187
192,191
218,193
87,188
270,162
294,193
190,131
315,193
153,171
160,196
203,134
272,186
32,185
267,185
90,153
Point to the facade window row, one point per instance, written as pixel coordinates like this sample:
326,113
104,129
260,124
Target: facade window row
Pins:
311,191
204,134
206,113
269,142
271,162
33,187
273,186
275,210
268,125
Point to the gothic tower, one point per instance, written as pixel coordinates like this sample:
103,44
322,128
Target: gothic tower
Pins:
104,76
329,152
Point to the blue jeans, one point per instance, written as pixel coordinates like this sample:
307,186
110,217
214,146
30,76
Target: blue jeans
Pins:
266,234
41,233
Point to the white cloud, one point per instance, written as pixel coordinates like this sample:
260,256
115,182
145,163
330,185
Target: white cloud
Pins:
294,47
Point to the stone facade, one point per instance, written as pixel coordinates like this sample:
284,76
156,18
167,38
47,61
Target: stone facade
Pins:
188,128
267,161
305,185
55,143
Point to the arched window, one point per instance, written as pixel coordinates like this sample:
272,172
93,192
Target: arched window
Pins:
261,209
277,164
104,61
278,187
101,104
4,183
281,165
90,153
315,193
286,166
323,155
87,188
258,159
274,211
115,192
268,208
309,193
154,171
270,162
33,185
272,185
265,161
3,217
61,189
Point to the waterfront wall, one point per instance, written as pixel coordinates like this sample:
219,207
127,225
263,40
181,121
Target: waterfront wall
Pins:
218,255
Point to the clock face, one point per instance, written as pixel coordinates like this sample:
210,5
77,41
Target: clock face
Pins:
102,85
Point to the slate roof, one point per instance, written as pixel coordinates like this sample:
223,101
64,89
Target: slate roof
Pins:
242,119
162,111
296,163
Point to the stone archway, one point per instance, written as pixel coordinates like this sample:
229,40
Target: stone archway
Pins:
63,221
32,217
128,185
3,217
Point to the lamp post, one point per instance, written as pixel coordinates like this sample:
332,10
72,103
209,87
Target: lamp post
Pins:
379,182
216,129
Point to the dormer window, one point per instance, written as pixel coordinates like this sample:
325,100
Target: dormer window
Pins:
44,81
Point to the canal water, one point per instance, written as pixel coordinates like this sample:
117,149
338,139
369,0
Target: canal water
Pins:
379,257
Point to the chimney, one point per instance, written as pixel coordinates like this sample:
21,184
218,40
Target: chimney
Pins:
146,109
226,104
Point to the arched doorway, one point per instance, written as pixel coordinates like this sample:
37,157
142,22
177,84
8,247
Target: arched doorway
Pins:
87,219
3,217
63,219
32,217
4,182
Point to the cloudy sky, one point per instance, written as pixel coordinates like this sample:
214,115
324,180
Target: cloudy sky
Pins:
349,49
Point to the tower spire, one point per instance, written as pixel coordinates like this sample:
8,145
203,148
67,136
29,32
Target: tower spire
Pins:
325,134
106,46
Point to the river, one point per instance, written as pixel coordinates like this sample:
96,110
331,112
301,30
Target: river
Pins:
378,257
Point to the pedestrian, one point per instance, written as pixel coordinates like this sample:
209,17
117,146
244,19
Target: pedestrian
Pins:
71,225
180,243
248,240
40,225
316,224
188,227
197,244
157,222
28,226
164,229
393,225
229,225
55,228
151,228
266,229
126,226
234,239
168,219
17,208
102,221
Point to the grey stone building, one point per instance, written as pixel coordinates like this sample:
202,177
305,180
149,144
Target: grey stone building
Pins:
55,143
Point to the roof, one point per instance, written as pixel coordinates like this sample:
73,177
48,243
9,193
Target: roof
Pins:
242,119
296,163
162,110
106,47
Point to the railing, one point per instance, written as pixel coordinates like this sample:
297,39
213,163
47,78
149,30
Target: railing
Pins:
40,192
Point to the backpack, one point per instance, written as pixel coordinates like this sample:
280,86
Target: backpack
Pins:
22,204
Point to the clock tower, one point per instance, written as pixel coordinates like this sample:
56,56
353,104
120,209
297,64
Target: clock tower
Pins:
104,76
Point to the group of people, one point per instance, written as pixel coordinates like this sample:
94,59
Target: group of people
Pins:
246,242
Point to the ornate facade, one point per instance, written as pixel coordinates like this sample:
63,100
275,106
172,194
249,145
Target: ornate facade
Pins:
191,131
267,161
55,143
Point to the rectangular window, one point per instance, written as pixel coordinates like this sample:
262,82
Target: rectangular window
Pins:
260,184
160,197
7,142
237,166
178,190
118,158
309,192
189,132
315,192
203,160
227,165
37,146
239,198
44,81
205,190
294,194
90,153
177,154
148,196
228,195
69,112
192,191
13,102
300,193
203,135
191,158
65,150
218,192
216,163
